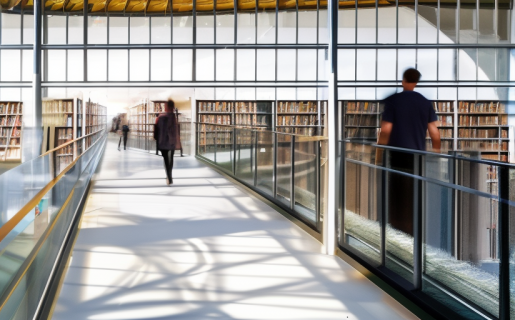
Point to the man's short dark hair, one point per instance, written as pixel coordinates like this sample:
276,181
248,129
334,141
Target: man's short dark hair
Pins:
411,75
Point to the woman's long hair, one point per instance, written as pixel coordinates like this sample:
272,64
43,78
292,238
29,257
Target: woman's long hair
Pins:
172,121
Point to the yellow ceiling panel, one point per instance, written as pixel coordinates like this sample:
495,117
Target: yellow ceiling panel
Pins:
136,6
287,4
267,4
157,6
224,4
246,4
116,5
27,4
204,5
54,5
182,5
98,5
74,5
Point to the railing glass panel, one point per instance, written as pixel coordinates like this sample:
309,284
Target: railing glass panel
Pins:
265,161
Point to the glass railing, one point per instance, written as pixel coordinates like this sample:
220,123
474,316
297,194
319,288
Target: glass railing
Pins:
287,169
440,225
39,200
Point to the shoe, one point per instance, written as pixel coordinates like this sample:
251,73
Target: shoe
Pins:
171,180
167,181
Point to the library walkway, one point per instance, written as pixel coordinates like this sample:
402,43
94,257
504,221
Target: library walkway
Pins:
201,249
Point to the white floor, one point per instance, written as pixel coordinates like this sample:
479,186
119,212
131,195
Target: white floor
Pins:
201,249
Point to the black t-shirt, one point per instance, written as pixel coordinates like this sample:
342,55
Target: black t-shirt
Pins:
410,113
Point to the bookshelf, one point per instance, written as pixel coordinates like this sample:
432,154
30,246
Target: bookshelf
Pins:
445,112
138,125
11,119
58,121
483,127
95,119
362,118
301,117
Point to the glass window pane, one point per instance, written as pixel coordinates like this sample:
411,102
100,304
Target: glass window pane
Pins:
245,93
468,25
245,65
386,61
323,32
266,27
11,28
265,65
246,27
225,93
448,24
306,66
322,64
346,64
161,30
139,65
346,26
386,29
306,94
286,64
27,65
503,25
56,65
183,29
467,65
427,21
286,94
28,29
225,64
205,28
308,26
97,65
75,65
10,65
366,64
366,25
182,64
265,93
75,30
446,64
140,33
405,59
118,30
427,64
161,64
225,28
205,65
56,29
287,32
97,30
118,65
407,25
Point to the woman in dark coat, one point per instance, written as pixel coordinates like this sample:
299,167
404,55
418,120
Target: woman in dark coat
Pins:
166,135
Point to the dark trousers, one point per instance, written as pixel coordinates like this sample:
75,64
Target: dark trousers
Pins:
401,197
168,159
124,140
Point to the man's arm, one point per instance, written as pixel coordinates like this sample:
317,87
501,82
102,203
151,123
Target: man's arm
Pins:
384,137
435,135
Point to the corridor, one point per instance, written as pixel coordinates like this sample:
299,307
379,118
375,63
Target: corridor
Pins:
201,249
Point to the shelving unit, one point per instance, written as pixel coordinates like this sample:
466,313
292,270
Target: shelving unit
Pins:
362,118
138,125
445,113
95,120
58,117
11,119
301,117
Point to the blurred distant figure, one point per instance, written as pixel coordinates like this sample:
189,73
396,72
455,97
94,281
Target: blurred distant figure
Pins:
123,132
166,134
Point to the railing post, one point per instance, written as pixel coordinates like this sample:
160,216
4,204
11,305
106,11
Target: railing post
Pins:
417,224
504,242
274,164
234,145
255,135
384,205
292,173
317,182
215,143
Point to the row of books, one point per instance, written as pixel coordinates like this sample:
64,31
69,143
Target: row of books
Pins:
58,106
250,120
68,150
482,120
482,133
10,153
491,173
11,108
12,121
297,120
363,107
483,145
219,139
65,134
216,106
299,131
58,120
444,145
444,133
361,120
497,157
446,121
298,106
157,107
362,133
216,119
441,106
485,107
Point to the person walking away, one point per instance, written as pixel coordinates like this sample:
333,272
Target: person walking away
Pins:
124,132
166,134
407,117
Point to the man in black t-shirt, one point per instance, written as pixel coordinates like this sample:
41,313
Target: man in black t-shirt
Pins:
406,119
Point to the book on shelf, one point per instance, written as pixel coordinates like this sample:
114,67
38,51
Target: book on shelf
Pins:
481,107
446,121
496,157
443,106
363,107
483,145
298,107
479,133
444,133
466,120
